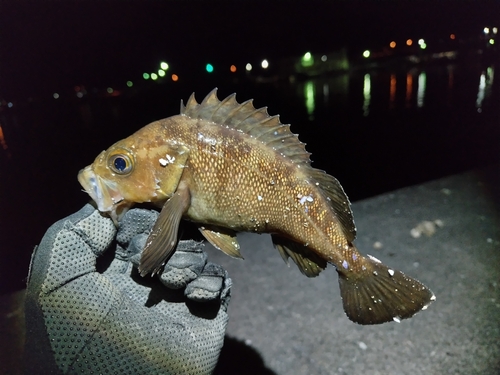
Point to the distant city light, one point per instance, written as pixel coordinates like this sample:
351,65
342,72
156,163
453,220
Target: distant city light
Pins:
10,105
307,59
161,73
175,77
77,88
366,54
209,68
486,30
145,75
492,41
495,30
130,84
79,94
409,42
452,36
164,65
233,68
423,46
248,67
392,44
420,42
265,64
324,58
109,90
154,76
55,95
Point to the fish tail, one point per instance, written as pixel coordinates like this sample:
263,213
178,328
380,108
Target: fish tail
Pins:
379,294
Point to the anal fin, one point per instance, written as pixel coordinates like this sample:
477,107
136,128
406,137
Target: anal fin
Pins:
380,294
308,262
162,240
223,239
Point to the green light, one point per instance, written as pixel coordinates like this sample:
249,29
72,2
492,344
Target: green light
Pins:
164,65
130,84
161,73
366,54
423,45
145,75
307,59
492,41
209,68
109,90
154,76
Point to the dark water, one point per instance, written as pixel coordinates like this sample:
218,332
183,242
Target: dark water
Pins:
374,130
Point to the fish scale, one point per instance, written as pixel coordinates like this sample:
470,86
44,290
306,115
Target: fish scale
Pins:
229,167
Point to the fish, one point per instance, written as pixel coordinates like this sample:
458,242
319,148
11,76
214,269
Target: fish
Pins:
229,167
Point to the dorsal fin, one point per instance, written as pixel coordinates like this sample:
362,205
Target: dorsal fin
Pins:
244,117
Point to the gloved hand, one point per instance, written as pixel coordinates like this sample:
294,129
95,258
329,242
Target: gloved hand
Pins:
89,311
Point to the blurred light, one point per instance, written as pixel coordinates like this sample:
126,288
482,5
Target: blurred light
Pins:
248,67
423,46
422,78
145,75
154,76
495,30
10,105
324,58
309,90
265,64
130,83
164,65
233,68
452,36
307,59
161,73
409,42
366,95
175,77
492,41
209,68
486,30
77,88
392,94
392,44
420,41
79,94
55,95
366,54
109,90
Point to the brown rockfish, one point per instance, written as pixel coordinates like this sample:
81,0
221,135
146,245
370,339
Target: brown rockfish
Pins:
230,167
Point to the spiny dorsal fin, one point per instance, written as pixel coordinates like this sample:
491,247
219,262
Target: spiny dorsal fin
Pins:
247,119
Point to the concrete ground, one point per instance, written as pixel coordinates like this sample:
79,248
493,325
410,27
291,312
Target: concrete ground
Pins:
284,323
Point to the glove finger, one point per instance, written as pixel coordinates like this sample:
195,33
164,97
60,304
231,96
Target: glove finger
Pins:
185,265
134,222
209,285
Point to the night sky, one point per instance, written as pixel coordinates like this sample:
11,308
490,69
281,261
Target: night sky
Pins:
50,46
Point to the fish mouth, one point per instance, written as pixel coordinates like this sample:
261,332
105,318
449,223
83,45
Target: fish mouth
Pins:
104,193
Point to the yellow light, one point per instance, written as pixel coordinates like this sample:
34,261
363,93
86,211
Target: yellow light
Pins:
265,64
486,30
164,65
492,41
495,30
392,44
366,54
154,76
232,68
161,73
175,77
409,42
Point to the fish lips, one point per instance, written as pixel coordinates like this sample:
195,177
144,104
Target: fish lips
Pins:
104,192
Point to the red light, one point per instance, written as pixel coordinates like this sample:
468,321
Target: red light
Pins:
175,77
452,36
232,68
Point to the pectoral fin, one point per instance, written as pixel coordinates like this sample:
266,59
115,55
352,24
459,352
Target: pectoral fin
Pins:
162,240
222,239
308,262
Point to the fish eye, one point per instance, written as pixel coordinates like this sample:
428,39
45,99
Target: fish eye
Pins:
120,163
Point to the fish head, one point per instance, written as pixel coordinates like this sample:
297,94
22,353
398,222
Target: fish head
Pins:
133,170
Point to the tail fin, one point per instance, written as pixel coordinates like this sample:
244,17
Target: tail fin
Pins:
380,294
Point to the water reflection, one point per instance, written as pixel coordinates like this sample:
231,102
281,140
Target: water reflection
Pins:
366,95
409,89
309,95
3,143
421,89
392,93
485,83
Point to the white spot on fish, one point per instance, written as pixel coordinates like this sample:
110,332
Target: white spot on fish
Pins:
163,162
375,273
345,264
396,319
433,298
391,272
373,258
354,257
259,197
362,345
309,198
363,268
275,132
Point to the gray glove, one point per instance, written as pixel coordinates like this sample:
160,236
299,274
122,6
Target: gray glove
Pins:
89,311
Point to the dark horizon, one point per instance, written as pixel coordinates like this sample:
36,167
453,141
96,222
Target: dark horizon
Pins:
54,46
